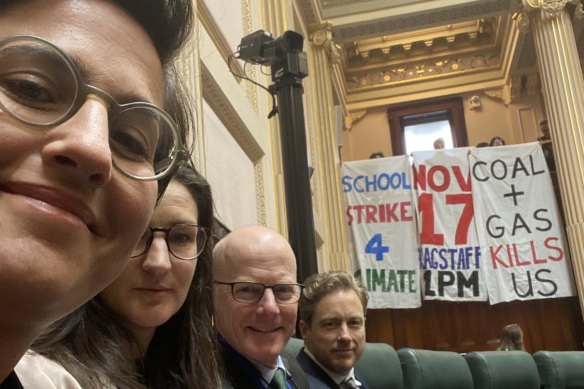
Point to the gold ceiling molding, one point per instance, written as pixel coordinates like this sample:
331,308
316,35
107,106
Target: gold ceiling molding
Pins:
476,35
424,71
432,16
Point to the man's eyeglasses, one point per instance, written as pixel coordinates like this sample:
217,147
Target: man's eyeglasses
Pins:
252,292
41,86
184,241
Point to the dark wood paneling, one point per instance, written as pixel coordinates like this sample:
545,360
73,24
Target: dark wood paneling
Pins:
551,324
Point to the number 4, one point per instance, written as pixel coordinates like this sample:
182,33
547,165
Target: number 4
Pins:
375,246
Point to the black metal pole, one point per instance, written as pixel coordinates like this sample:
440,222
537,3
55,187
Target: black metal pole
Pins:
287,75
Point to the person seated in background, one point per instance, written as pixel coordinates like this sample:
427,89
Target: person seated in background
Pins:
497,141
545,141
332,323
511,338
439,144
85,148
482,144
545,131
153,325
377,154
256,301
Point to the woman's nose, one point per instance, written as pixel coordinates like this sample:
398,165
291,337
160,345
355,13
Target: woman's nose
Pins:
81,144
157,257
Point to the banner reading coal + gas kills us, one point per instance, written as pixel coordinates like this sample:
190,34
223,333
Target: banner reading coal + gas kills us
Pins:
518,224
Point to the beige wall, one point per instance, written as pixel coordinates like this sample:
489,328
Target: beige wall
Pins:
515,123
367,135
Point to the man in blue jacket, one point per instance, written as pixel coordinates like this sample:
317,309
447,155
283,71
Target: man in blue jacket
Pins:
332,323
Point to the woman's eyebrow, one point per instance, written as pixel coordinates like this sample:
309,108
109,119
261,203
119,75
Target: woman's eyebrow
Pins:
121,98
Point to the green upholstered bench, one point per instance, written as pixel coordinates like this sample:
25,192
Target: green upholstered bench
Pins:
427,369
560,369
503,369
293,347
379,365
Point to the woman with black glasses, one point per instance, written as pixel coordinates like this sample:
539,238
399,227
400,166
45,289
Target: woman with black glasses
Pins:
152,326
87,142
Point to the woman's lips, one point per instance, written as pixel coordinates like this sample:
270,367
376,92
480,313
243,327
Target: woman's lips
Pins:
55,198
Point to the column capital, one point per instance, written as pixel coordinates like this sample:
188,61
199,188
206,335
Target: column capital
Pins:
322,37
579,11
523,22
549,6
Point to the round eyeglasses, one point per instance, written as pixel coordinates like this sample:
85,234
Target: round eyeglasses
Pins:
252,292
41,86
184,241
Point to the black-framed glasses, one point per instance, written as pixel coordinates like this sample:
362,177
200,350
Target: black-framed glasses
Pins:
252,292
184,241
41,86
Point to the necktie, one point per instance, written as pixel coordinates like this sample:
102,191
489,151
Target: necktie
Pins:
349,383
278,380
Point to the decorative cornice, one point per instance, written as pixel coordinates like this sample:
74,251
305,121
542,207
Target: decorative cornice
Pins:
421,71
510,91
352,118
430,17
503,94
323,37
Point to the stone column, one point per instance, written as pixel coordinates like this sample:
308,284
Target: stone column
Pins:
274,22
323,55
190,68
563,91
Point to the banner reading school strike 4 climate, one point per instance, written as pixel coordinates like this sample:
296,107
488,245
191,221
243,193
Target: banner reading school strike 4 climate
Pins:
488,226
382,223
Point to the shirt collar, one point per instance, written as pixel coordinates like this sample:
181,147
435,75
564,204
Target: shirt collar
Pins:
338,378
268,373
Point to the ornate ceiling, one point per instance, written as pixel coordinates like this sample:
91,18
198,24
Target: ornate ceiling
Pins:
387,47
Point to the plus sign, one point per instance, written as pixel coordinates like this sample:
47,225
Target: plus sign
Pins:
514,194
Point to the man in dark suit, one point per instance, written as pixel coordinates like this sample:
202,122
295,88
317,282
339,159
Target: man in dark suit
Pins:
256,301
332,323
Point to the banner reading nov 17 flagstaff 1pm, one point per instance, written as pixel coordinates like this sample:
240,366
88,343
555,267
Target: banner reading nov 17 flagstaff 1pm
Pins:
450,255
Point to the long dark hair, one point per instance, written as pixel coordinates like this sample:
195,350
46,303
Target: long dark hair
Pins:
93,344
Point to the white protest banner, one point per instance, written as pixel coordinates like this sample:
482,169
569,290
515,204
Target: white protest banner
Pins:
450,256
518,224
382,225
